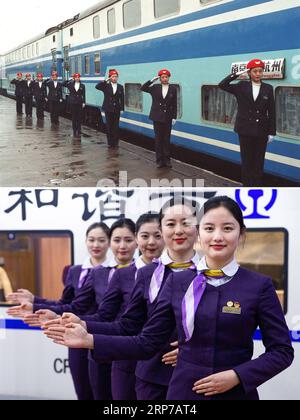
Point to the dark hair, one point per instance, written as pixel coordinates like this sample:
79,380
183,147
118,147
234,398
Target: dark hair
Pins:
146,218
122,223
229,204
181,201
102,226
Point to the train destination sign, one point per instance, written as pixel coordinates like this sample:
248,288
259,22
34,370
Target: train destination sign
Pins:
275,69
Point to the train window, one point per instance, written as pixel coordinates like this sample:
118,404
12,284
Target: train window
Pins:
164,8
24,53
133,97
87,64
288,110
28,52
179,101
41,257
111,21
33,50
265,252
96,27
79,64
71,31
37,49
97,63
132,14
218,106
54,38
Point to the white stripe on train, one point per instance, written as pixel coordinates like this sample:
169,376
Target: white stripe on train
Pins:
221,144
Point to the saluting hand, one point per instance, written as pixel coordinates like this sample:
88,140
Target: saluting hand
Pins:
171,358
239,73
155,79
217,384
72,335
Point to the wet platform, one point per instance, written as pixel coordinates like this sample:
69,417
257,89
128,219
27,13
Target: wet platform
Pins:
35,154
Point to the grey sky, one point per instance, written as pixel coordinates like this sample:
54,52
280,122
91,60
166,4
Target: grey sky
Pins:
21,20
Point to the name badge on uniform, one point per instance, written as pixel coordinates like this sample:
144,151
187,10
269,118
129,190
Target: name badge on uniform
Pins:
233,308
266,98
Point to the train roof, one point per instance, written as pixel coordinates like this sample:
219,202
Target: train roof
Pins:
94,9
88,12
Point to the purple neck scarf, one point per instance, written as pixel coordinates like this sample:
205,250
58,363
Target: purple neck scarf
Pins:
83,277
158,277
191,302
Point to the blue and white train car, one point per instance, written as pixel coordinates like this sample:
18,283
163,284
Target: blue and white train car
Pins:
199,41
32,367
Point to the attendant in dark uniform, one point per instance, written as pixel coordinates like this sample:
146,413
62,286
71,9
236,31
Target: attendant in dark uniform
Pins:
217,311
112,106
54,97
19,92
97,243
28,94
180,234
40,94
163,114
256,120
77,102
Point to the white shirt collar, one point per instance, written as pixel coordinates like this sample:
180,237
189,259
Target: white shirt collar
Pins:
87,264
166,260
140,263
229,270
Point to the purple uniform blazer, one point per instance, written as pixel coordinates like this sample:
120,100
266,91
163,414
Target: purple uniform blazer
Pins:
138,311
221,341
89,297
69,293
114,305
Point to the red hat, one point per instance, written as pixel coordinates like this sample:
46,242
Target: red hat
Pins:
19,74
76,76
40,75
28,75
113,72
256,63
164,72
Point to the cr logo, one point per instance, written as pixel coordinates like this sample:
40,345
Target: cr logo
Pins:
259,204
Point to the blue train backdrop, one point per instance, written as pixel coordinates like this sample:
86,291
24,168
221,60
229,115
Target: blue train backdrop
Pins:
199,41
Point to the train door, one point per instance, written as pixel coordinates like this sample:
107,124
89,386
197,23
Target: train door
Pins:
54,60
66,66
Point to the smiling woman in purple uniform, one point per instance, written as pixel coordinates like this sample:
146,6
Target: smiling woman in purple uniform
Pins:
217,311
